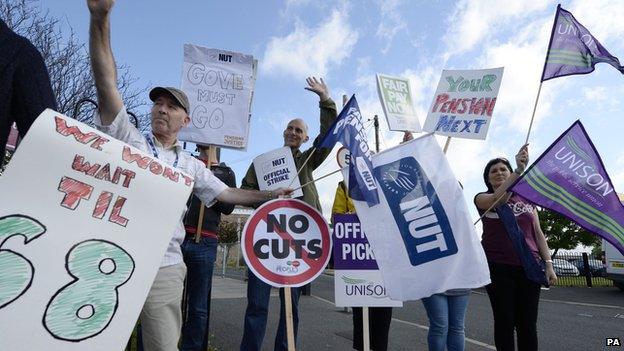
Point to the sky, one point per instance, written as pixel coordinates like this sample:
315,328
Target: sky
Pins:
348,42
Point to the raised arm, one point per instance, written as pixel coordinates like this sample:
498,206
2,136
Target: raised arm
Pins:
486,201
102,61
327,118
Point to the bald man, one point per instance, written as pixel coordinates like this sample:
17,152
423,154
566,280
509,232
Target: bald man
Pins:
258,292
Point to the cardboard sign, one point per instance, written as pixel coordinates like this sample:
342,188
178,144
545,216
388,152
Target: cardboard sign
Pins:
276,169
357,280
396,99
286,243
219,85
83,229
464,103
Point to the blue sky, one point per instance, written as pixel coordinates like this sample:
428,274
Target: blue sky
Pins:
348,42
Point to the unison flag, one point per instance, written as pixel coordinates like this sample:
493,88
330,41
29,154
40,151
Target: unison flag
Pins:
349,131
573,49
570,178
421,232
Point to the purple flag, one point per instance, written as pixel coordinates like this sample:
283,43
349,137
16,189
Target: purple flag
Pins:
351,249
573,50
570,178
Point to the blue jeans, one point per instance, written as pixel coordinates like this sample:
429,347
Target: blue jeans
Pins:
446,321
258,294
199,259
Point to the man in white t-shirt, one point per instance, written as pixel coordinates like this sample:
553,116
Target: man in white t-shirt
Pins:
161,317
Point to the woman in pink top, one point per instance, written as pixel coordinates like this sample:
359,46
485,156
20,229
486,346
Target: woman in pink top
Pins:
513,296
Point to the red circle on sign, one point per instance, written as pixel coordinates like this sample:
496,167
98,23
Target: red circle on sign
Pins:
342,156
315,265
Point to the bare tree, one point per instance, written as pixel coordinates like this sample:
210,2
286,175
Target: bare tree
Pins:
67,60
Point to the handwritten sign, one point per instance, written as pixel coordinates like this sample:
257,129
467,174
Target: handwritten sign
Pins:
83,229
276,169
464,103
396,99
219,85
357,279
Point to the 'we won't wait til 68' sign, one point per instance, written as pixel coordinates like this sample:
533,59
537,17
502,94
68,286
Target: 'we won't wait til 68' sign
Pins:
83,228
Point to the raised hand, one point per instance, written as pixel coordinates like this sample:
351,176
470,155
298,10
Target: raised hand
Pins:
100,7
318,87
522,158
407,136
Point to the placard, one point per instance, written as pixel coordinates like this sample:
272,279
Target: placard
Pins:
286,242
219,85
84,223
276,169
397,102
464,103
357,279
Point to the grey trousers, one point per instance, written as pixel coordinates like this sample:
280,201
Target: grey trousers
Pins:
161,317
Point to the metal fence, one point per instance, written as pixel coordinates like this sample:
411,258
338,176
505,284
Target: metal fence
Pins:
580,269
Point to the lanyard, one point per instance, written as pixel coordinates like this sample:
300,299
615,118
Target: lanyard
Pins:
155,152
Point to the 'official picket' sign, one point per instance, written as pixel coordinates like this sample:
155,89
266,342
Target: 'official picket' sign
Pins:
286,242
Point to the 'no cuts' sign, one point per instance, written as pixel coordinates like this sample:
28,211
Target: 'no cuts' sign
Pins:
286,242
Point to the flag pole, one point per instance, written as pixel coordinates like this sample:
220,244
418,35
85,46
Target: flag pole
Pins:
314,180
365,334
446,145
533,115
552,33
302,166
212,157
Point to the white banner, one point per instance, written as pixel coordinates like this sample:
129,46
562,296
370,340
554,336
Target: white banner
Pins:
219,85
397,102
276,169
464,103
421,232
357,280
83,229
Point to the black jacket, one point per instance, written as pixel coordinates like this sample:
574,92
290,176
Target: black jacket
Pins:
25,89
212,215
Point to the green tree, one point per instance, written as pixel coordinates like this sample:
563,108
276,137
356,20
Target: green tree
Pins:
227,232
5,160
228,235
561,233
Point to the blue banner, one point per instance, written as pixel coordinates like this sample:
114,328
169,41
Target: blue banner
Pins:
349,131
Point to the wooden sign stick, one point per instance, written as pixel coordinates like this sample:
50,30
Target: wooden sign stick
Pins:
212,157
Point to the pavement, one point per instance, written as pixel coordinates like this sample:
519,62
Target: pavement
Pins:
570,318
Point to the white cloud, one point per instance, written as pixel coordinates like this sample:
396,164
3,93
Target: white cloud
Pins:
595,94
604,19
391,22
311,51
474,21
